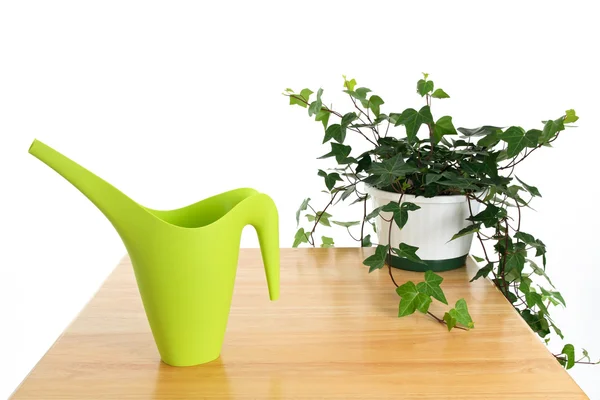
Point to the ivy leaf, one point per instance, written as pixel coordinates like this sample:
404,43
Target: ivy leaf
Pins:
300,237
424,87
413,119
374,103
440,94
490,216
316,105
340,152
569,352
409,252
528,239
361,94
304,95
466,231
391,169
323,116
323,218
366,242
460,312
553,295
374,213
326,241
330,179
346,224
450,321
517,140
411,300
478,259
377,260
349,84
483,272
303,207
432,178
586,355
538,271
551,128
335,132
570,116
347,119
442,127
531,189
481,131
431,286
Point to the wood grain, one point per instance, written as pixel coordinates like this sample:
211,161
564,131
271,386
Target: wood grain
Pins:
334,334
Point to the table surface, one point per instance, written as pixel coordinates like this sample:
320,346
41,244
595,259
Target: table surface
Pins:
333,334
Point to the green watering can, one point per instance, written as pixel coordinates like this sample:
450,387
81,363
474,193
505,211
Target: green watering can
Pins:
185,259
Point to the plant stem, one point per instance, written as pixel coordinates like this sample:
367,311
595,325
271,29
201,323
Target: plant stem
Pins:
441,321
362,227
318,218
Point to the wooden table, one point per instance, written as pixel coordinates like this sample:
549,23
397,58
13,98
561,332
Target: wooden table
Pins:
334,334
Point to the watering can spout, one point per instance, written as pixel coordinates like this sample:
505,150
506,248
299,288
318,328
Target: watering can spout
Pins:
115,205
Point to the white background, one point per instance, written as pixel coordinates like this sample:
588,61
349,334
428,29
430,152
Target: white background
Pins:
175,101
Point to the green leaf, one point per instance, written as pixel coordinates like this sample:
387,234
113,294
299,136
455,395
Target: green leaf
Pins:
431,286
330,179
349,84
586,355
483,272
432,178
346,224
569,352
517,140
316,105
425,75
551,128
478,259
348,118
450,321
377,260
531,189
490,216
466,231
300,237
460,312
481,131
570,116
442,127
323,218
553,295
413,119
391,169
537,244
538,271
366,241
374,103
411,300
409,252
298,99
361,93
489,141
340,151
303,207
440,94
323,116
373,213
326,241
424,87
335,132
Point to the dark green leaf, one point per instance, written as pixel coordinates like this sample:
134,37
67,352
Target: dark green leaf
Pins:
411,299
335,132
361,93
409,252
531,189
374,213
377,260
490,216
431,286
517,140
483,272
374,103
348,118
389,170
551,128
466,231
478,259
330,179
489,141
432,178
442,127
366,241
303,207
440,94
340,151
481,131
413,119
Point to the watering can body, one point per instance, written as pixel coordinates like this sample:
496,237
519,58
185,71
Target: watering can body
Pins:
184,260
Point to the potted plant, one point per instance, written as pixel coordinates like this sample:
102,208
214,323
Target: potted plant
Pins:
433,188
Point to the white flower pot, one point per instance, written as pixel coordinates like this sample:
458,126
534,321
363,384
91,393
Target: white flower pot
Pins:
429,228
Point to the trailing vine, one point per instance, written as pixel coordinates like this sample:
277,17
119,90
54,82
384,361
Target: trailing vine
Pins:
479,164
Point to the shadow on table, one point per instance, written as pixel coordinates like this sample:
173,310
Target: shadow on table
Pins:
206,381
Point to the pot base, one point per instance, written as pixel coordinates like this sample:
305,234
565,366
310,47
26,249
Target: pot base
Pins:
432,265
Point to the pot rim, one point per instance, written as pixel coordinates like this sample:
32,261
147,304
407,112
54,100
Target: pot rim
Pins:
393,196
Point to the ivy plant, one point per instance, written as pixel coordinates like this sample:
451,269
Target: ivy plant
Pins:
478,163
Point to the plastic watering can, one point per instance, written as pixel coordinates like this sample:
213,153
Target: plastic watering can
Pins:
184,260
